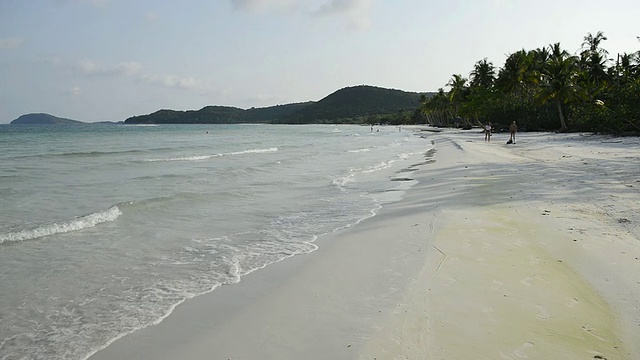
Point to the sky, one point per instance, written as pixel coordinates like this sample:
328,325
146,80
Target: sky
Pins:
107,60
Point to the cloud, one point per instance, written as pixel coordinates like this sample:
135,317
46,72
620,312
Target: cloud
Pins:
173,81
262,5
128,68
356,11
132,70
98,3
89,67
265,99
152,17
10,42
333,7
74,91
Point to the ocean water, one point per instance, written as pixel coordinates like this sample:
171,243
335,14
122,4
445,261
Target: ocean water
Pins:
104,229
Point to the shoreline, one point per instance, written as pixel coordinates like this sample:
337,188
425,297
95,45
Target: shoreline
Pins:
489,237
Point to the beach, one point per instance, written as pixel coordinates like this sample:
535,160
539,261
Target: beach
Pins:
525,251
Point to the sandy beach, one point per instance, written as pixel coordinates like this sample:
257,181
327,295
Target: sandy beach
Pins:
524,251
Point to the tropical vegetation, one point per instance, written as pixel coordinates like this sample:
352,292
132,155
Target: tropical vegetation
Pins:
546,89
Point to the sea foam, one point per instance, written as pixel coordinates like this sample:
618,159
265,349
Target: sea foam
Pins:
78,223
207,157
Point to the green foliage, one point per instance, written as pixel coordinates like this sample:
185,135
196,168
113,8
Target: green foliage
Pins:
438,109
616,112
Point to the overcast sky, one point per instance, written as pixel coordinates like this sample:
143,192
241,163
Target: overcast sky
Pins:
94,60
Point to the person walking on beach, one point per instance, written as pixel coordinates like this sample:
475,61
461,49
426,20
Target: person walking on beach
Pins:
487,132
512,130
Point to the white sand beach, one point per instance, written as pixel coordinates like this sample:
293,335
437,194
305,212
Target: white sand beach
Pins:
524,251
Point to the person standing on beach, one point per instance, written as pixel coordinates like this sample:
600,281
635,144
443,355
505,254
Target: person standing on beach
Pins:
487,132
512,130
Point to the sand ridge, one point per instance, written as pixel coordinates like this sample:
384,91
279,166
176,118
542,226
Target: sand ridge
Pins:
510,297
568,211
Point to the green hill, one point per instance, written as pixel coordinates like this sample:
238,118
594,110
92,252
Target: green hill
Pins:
206,115
43,119
355,105
217,115
274,113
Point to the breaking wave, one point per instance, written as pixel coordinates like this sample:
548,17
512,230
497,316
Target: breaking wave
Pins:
207,157
75,224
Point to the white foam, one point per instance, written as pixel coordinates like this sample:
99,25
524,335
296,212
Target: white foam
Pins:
185,158
253,151
382,165
79,223
207,157
359,150
343,181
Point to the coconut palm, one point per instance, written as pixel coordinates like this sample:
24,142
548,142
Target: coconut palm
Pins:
458,91
629,65
457,83
557,52
541,55
483,74
516,73
594,64
437,108
559,84
591,43
539,58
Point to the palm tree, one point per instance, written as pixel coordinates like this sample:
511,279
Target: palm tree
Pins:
516,72
541,55
539,58
483,74
557,52
458,91
594,64
559,84
437,109
591,43
628,66
457,84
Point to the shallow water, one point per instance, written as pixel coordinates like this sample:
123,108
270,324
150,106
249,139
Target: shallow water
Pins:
104,229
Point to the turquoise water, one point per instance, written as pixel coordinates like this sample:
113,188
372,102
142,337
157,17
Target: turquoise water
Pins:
104,229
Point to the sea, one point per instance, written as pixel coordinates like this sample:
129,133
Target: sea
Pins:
105,229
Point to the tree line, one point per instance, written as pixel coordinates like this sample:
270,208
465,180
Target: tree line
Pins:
546,89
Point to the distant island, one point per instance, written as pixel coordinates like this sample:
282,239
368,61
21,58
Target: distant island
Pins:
361,104
43,119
